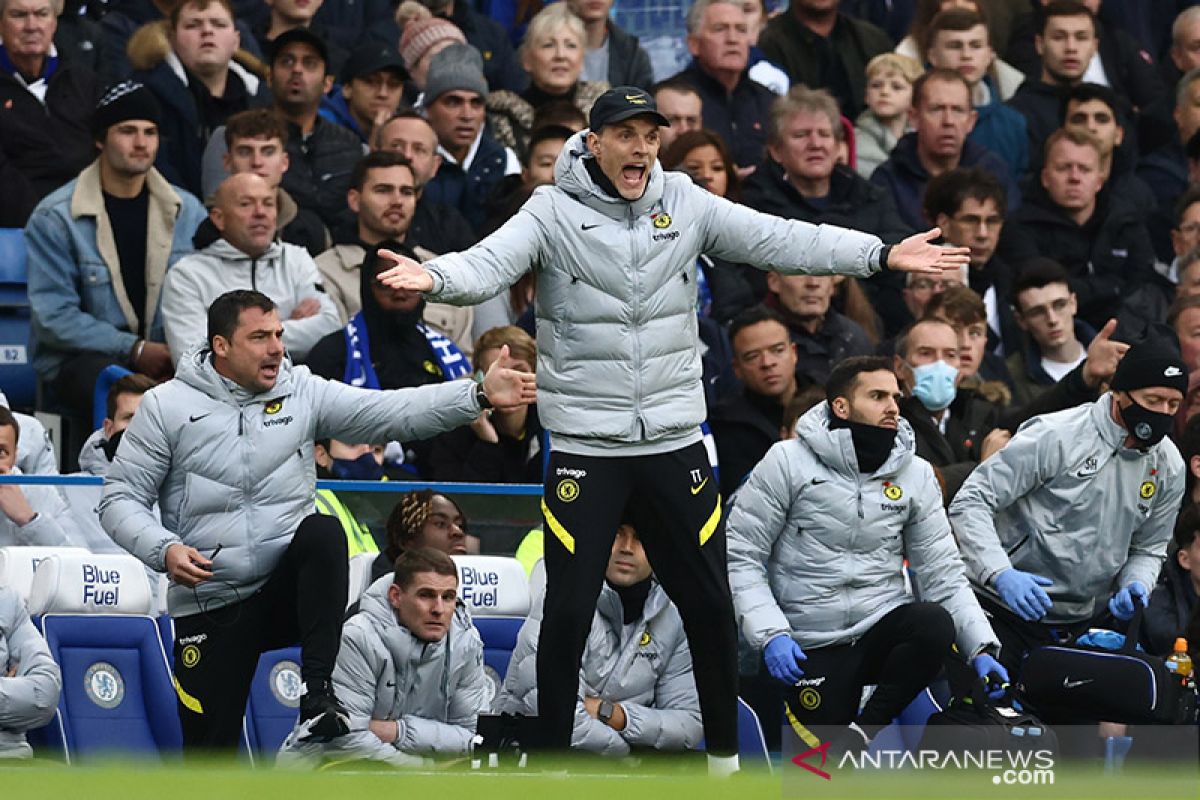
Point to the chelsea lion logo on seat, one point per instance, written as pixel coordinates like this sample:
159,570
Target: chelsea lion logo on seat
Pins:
103,685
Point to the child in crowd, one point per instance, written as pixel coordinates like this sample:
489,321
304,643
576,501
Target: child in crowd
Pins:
890,79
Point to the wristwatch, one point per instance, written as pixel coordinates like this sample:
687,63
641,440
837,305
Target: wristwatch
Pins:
606,711
481,396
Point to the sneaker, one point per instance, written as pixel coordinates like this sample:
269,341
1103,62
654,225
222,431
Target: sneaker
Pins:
322,717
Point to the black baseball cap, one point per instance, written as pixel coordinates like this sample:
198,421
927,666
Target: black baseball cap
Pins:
370,59
302,35
622,103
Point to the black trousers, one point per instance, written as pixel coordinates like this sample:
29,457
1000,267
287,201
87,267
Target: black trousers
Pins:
217,650
676,508
901,654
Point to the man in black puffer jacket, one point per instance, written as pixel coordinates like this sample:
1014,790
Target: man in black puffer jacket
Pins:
46,128
1098,236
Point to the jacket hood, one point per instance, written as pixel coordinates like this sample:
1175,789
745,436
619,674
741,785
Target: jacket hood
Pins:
150,46
196,369
223,250
571,176
91,456
835,447
400,643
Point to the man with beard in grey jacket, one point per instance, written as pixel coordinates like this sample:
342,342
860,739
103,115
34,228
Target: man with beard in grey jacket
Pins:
818,536
614,243
410,671
226,449
30,681
1072,518
636,684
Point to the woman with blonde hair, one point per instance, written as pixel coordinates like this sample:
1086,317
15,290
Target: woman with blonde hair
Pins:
552,54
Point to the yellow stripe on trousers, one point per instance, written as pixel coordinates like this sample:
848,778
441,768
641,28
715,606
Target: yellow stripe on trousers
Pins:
710,527
806,736
556,527
189,702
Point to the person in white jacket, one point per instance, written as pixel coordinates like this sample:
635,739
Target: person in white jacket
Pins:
247,256
409,671
30,681
636,684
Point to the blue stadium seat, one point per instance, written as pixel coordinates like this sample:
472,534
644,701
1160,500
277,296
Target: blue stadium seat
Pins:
274,702
13,275
17,377
117,688
118,693
108,376
166,633
752,745
499,636
496,591
906,730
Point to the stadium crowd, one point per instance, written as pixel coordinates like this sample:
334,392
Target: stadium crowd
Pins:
214,194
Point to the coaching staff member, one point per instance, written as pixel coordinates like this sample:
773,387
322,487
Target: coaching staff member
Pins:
225,449
615,243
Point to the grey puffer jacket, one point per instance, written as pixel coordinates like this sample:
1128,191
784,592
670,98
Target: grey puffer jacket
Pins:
645,666
51,525
618,358
232,468
1067,500
817,549
35,451
434,690
29,698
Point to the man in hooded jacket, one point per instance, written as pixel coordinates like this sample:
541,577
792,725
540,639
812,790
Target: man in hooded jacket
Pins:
226,448
818,536
615,243
410,671
636,685
1073,516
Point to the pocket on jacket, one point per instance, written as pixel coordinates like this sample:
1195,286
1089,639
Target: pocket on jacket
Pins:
98,293
203,495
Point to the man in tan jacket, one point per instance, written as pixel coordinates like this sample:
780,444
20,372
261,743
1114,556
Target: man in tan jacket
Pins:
383,195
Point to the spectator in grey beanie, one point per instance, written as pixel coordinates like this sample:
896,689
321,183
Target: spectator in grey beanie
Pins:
473,161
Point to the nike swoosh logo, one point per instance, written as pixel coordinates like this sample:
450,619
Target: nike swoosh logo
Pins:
390,684
1070,684
696,489
197,417
819,481
589,227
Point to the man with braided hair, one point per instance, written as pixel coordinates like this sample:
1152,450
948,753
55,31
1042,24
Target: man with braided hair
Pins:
423,518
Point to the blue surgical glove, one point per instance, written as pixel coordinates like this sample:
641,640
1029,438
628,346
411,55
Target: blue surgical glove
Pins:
1023,593
1121,604
782,655
986,666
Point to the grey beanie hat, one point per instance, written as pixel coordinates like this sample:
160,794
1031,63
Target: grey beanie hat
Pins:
457,67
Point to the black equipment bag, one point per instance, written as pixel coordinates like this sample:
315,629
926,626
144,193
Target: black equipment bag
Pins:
973,722
1079,684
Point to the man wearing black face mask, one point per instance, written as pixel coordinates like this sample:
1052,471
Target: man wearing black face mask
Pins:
347,462
817,541
1071,520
